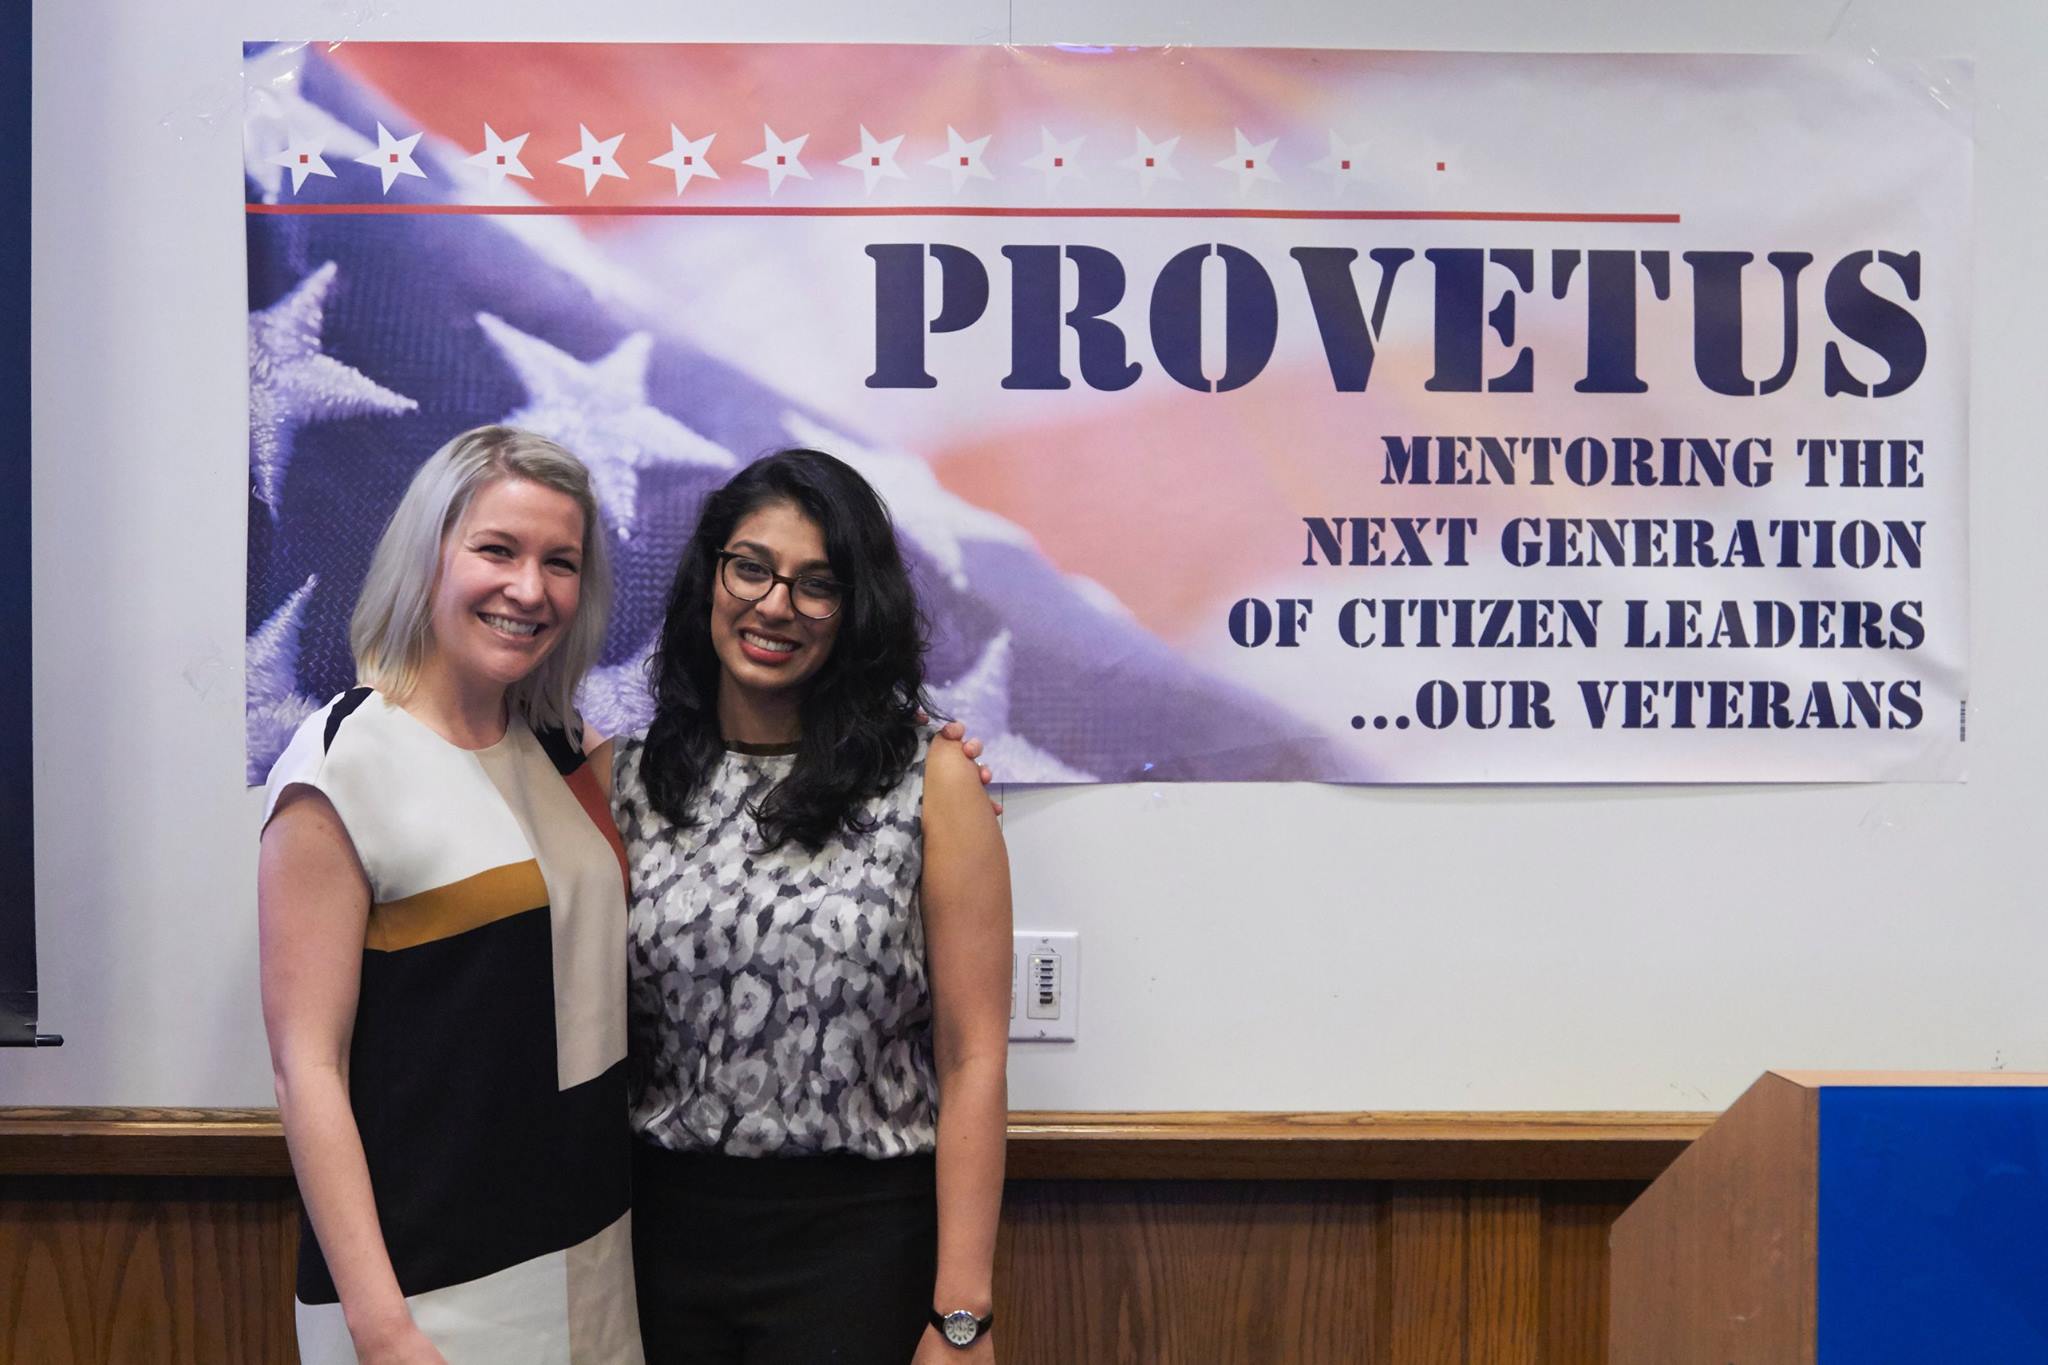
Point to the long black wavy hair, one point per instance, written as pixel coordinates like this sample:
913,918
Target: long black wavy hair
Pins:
859,708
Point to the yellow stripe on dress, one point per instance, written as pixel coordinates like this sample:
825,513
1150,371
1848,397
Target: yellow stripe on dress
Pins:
456,908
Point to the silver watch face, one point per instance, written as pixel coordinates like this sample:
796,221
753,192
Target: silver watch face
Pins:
962,1327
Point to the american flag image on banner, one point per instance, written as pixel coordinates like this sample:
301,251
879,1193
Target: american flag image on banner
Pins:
379,328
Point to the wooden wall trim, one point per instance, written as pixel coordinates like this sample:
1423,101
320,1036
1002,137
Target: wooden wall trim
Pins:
1362,1146
119,1141
1043,1146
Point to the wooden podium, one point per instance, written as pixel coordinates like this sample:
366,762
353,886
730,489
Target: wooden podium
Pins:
1846,1218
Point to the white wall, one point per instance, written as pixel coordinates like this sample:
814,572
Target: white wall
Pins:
1245,947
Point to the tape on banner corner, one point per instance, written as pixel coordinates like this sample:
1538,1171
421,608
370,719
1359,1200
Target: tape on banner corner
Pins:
1166,52
1948,82
223,96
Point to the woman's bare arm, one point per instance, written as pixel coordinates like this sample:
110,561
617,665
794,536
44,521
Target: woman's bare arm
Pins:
313,905
966,904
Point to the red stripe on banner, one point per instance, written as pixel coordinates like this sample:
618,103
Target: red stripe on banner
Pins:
956,211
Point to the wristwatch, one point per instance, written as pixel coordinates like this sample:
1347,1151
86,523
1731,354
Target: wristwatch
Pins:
960,1327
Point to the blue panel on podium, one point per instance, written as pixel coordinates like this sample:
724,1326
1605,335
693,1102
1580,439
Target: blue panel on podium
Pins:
1932,1226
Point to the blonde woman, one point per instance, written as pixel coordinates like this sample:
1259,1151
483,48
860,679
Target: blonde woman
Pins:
443,908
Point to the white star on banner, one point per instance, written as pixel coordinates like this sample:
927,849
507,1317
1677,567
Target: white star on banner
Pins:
302,158
615,699
980,699
962,159
275,706
1249,163
500,157
596,158
1055,159
780,159
600,411
935,519
1344,165
279,127
293,384
1152,160
687,158
392,156
875,160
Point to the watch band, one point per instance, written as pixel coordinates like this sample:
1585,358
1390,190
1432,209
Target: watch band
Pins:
960,1327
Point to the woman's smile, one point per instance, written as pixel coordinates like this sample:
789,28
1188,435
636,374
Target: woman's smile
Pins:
506,625
764,648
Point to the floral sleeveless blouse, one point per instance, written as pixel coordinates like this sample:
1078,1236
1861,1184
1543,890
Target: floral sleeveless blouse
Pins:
778,1003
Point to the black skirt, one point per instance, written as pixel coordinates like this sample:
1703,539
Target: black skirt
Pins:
783,1260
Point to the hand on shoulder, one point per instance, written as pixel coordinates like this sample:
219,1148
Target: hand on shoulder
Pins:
957,732
955,788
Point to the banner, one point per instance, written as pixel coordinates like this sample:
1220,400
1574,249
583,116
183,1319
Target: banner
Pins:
1245,414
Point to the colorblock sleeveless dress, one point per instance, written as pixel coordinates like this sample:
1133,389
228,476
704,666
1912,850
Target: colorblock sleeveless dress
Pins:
488,1067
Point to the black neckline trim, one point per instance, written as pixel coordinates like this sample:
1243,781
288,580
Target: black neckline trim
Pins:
739,746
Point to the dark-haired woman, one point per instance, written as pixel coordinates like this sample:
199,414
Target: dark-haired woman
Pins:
819,953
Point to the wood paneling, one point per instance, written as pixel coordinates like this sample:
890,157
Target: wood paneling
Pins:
1242,1262
1426,1284
148,1271
1305,1273
1504,1276
1576,1221
1148,1273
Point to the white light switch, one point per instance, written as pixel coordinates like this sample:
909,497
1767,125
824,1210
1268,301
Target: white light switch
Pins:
1042,985
1047,987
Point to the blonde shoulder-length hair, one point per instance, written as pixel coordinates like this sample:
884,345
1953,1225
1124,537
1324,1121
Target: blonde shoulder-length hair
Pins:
391,629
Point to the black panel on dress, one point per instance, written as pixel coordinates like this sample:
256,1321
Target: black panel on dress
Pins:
343,705
566,754
477,1160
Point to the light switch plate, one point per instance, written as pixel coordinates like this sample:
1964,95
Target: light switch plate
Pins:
1047,991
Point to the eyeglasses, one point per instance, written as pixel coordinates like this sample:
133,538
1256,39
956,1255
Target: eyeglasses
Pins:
750,580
